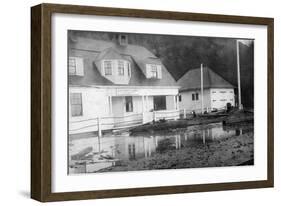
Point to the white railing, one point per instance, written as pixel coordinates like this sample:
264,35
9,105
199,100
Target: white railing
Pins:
110,122
130,120
166,114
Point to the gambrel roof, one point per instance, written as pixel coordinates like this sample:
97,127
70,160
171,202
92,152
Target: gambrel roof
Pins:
192,80
92,51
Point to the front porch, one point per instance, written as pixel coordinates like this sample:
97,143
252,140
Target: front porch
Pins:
120,107
130,111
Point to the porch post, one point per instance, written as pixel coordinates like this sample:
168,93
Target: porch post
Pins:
175,102
146,103
110,104
143,106
143,109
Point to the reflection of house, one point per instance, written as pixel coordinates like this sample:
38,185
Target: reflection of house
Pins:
114,84
217,91
134,148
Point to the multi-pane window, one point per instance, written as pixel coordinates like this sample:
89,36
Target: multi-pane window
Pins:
72,65
107,67
116,67
76,66
132,151
153,71
76,104
129,104
195,96
121,68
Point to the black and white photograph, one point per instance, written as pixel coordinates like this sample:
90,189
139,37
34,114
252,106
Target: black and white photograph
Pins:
153,101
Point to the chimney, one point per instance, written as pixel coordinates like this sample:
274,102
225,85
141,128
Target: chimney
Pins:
121,39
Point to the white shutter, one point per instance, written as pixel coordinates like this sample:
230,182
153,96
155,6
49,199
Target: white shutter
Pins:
102,67
159,71
79,66
129,69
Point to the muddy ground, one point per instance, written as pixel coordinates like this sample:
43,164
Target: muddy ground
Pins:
232,151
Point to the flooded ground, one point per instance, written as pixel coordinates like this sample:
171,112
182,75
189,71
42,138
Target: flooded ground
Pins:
194,146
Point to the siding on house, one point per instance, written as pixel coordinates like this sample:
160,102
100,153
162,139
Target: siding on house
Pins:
190,105
213,99
220,97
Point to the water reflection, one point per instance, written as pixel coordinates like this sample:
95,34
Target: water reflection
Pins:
93,154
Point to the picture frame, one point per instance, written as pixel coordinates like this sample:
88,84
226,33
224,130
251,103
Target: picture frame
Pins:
41,101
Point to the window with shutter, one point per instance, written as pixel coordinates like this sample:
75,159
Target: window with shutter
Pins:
153,71
76,66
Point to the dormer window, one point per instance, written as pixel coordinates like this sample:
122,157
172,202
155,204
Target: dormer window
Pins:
75,66
116,67
107,67
153,71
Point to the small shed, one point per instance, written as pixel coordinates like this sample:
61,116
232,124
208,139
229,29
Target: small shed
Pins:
217,92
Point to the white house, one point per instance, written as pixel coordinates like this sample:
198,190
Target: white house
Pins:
113,84
217,92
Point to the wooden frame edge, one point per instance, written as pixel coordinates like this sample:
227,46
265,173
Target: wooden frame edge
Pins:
41,101
36,139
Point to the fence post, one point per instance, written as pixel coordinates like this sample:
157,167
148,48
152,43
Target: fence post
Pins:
99,132
99,127
154,116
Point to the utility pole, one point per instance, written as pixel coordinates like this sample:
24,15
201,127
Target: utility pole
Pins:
202,90
238,75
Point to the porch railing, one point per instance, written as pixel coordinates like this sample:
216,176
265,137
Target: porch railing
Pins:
116,123
130,120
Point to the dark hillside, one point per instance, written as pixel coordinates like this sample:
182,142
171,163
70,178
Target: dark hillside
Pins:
182,53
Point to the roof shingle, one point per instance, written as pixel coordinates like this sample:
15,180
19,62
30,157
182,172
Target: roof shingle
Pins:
92,50
192,80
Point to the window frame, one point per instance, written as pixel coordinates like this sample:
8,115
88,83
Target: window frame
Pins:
153,71
74,66
119,68
106,69
195,96
72,104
